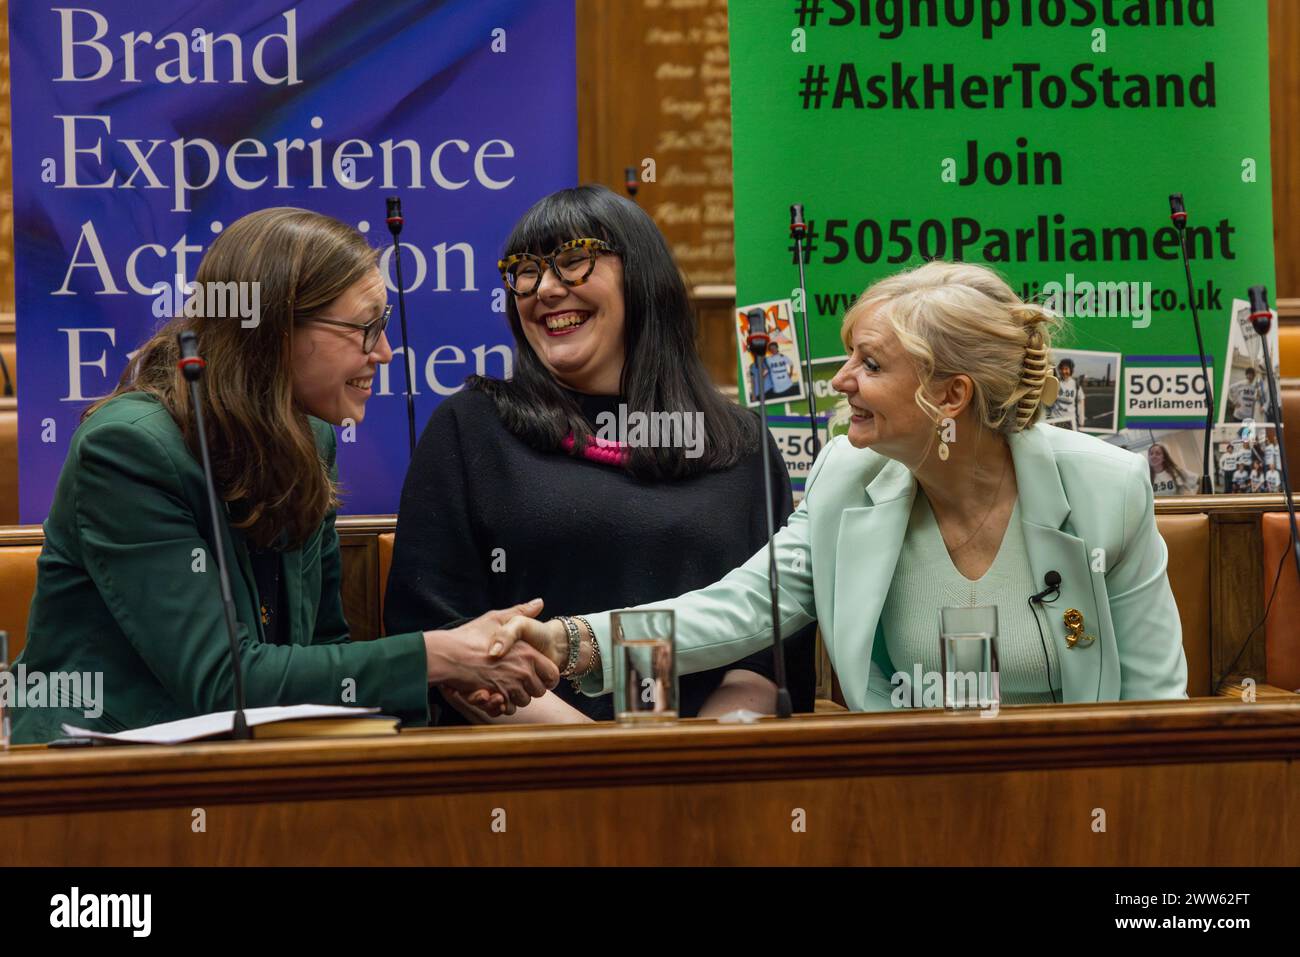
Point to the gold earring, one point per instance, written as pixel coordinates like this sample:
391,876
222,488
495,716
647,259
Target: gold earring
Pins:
943,446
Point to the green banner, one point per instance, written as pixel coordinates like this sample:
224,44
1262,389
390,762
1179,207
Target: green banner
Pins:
1041,137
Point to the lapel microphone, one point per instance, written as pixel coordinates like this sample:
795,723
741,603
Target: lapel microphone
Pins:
1053,581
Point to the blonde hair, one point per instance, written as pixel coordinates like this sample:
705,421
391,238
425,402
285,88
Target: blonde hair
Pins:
962,318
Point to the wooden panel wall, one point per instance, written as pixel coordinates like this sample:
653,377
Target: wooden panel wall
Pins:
1284,90
654,83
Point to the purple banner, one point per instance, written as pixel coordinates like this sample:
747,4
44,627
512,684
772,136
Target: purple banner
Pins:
141,127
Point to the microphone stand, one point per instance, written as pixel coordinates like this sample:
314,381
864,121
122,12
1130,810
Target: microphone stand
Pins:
1178,213
1262,318
191,366
756,343
799,232
395,222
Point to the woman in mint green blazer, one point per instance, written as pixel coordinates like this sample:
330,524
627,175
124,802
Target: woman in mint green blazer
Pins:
948,490
127,583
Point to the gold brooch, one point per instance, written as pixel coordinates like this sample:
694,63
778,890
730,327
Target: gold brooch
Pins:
1074,622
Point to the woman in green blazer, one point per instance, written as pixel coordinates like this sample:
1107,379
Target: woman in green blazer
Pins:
127,582
948,490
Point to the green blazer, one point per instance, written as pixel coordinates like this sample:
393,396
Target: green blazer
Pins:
1087,512
127,586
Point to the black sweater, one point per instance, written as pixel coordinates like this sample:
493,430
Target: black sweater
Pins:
487,521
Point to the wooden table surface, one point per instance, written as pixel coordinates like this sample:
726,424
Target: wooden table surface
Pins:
1207,781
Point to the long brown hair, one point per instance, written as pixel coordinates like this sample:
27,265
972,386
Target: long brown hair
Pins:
264,456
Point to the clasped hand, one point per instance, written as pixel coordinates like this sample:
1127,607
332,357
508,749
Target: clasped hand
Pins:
483,659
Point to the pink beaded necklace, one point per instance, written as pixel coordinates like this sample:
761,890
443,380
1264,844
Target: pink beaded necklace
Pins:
600,450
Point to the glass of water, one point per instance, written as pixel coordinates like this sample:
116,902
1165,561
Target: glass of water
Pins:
4,712
968,654
645,666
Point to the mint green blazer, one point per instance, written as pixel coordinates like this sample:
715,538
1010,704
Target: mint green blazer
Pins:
119,591
1087,512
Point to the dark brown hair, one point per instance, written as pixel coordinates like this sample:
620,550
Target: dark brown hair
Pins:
264,456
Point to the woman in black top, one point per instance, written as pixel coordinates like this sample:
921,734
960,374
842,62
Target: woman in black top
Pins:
605,344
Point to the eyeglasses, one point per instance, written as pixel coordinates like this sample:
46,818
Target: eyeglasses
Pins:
372,330
572,264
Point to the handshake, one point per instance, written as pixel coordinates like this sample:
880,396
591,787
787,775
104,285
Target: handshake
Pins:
500,660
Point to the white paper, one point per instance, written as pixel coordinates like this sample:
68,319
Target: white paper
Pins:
219,722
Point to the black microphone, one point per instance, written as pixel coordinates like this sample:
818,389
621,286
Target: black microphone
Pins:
1261,318
395,223
1178,213
192,366
630,181
1053,581
756,342
757,337
799,232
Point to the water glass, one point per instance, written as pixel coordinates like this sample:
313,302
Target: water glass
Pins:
645,665
968,655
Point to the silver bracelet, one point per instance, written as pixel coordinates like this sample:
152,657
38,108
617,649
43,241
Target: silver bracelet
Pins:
575,645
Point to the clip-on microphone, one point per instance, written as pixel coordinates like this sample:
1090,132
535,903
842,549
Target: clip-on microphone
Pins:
191,366
395,223
756,342
1053,581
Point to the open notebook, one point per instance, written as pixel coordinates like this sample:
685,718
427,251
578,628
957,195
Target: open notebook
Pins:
291,721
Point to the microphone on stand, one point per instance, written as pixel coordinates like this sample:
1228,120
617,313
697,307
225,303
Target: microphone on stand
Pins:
395,223
1262,319
799,232
756,342
1178,213
191,366
630,181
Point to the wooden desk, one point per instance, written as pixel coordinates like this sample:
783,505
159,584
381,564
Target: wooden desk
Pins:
1209,781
